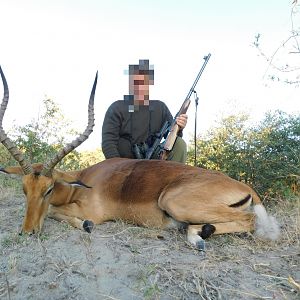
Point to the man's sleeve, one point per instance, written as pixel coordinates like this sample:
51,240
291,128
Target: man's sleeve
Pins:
111,133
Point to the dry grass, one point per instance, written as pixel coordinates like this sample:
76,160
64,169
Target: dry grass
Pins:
227,257
121,261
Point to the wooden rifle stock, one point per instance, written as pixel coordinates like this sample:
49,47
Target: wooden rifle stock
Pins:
174,128
170,140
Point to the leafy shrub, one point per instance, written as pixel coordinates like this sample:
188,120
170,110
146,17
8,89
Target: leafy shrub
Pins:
43,137
266,156
88,158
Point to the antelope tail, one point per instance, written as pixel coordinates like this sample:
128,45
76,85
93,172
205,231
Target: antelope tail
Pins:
265,226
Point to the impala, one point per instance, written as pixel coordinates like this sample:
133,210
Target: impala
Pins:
153,193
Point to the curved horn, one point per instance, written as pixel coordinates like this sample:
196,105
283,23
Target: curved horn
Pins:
5,140
48,166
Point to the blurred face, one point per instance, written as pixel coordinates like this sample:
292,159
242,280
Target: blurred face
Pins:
139,88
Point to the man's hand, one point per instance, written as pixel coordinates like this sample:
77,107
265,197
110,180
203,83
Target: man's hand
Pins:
181,121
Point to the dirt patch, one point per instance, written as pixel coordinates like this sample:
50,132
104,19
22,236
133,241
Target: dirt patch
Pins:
120,261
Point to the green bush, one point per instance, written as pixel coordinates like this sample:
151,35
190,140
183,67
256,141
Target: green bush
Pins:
88,158
43,137
266,156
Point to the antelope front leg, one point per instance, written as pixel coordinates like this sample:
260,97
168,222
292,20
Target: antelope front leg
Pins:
61,213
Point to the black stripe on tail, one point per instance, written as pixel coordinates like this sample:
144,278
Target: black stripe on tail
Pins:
242,202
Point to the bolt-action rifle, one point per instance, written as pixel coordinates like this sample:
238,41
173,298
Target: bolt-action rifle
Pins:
171,130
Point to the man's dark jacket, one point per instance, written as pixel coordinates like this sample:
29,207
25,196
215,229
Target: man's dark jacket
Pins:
123,127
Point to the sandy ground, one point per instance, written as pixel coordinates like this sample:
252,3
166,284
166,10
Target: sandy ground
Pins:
121,261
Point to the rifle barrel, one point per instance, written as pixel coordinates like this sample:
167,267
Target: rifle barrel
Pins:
174,128
206,59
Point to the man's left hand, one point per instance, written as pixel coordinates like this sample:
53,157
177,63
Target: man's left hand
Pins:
181,121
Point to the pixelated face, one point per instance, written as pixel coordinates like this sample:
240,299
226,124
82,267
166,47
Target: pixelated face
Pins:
140,77
139,87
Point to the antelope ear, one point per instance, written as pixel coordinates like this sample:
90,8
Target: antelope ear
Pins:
67,178
12,170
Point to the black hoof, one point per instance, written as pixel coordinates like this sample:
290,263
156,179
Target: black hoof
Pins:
201,245
207,231
183,227
88,226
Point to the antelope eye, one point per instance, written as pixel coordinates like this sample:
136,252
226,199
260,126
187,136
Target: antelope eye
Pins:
49,191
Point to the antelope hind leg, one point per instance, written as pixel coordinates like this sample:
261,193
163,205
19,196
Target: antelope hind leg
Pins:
192,211
196,234
59,213
194,238
230,227
204,216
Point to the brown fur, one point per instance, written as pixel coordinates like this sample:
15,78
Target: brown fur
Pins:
143,192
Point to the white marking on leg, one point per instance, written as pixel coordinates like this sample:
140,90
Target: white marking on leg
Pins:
195,239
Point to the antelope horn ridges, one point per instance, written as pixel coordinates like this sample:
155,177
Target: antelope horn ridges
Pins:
48,166
5,140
